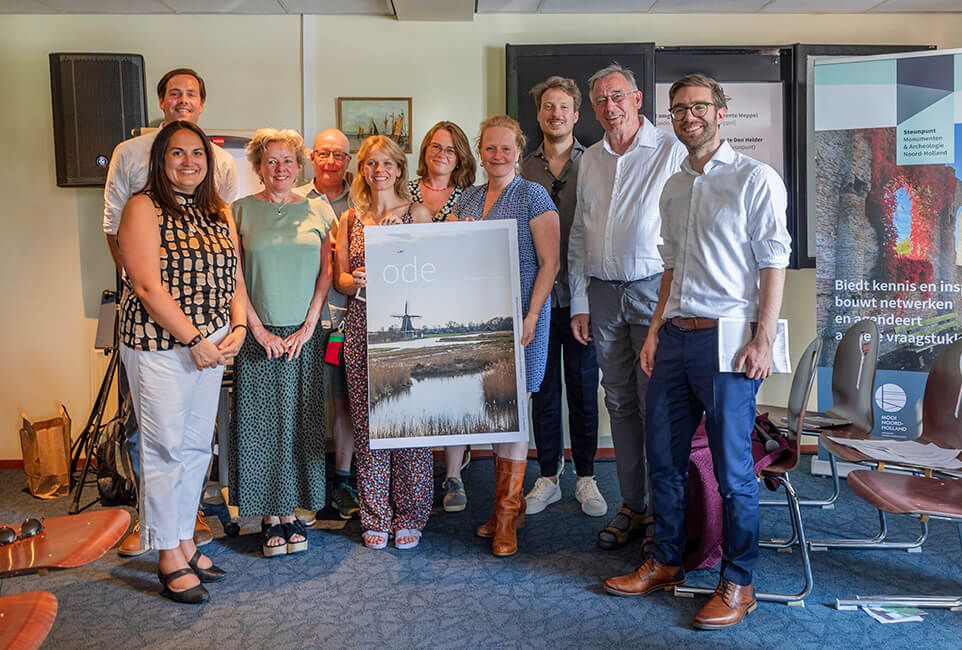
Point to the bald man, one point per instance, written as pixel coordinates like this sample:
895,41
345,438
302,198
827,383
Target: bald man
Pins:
330,158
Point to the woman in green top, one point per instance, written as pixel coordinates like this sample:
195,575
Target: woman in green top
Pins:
276,453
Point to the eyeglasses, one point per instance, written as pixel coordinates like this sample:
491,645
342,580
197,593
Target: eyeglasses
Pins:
617,97
324,154
698,109
556,186
437,149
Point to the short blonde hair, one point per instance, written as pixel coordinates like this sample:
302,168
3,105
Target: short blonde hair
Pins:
506,122
264,137
360,191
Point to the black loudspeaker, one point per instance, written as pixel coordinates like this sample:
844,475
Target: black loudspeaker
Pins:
97,100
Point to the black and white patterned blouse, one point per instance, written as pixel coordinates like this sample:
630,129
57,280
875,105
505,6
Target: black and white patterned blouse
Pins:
198,268
414,188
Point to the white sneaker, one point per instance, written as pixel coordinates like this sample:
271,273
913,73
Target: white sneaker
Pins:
543,494
587,494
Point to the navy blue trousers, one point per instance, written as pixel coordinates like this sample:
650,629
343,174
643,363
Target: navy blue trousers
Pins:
581,385
685,384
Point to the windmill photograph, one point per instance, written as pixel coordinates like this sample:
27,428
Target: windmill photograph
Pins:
445,364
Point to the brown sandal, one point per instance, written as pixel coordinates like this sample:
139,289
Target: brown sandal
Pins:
626,526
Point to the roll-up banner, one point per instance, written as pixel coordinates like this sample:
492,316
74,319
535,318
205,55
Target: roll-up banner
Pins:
888,159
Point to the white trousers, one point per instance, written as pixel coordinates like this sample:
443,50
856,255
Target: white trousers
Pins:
176,406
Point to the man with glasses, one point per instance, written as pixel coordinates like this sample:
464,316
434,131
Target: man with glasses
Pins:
181,94
330,159
614,271
554,165
725,252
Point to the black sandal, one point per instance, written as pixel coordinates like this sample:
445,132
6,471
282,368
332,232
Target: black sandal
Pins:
194,595
270,532
626,526
295,528
210,574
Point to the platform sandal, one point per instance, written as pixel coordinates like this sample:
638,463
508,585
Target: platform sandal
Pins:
270,532
295,528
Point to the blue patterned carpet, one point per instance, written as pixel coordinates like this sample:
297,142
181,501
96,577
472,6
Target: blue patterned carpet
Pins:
452,592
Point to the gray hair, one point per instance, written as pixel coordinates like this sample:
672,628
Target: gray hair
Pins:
612,68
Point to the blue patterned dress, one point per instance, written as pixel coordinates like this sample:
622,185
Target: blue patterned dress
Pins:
522,201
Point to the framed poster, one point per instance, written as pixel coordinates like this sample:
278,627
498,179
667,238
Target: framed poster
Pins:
361,117
445,362
754,123
758,85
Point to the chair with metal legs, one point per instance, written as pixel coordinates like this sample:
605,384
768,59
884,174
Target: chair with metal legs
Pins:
853,380
928,496
937,428
778,472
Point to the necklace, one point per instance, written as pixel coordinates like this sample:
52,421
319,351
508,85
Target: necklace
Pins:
433,189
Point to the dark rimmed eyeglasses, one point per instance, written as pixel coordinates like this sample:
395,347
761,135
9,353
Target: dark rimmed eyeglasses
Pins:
322,154
698,109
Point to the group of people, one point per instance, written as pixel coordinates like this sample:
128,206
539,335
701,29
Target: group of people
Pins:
629,252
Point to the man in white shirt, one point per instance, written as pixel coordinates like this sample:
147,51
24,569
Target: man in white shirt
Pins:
181,93
614,272
330,158
725,250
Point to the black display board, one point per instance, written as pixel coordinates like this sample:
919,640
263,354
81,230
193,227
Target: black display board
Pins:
529,65
803,248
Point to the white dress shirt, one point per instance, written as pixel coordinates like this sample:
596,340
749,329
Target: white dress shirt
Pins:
127,175
615,232
720,228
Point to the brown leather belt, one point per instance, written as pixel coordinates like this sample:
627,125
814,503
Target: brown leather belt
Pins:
690,324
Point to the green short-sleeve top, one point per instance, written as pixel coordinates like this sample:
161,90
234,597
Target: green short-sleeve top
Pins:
282,255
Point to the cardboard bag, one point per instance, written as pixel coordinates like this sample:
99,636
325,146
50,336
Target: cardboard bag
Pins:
46,455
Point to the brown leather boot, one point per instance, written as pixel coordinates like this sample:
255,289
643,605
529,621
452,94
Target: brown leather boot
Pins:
727,606
486,530
202,532
651,576
131,546
509,506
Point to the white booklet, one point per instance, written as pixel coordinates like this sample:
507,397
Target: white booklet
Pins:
735,333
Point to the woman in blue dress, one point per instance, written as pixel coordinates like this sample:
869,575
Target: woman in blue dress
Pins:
507,196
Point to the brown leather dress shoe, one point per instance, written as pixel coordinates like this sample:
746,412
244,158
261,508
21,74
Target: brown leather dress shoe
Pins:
202,532
131,546
727,606
651,576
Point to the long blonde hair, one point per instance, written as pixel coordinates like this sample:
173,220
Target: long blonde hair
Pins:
360,191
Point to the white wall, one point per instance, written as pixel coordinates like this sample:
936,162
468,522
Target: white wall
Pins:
55,262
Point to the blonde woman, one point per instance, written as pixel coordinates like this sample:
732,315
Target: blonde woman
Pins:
396,486
508,196
277,460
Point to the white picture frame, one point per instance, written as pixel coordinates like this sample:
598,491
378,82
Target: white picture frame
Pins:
445,365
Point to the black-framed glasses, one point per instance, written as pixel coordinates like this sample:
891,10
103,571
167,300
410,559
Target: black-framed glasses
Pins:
698,109
324,154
